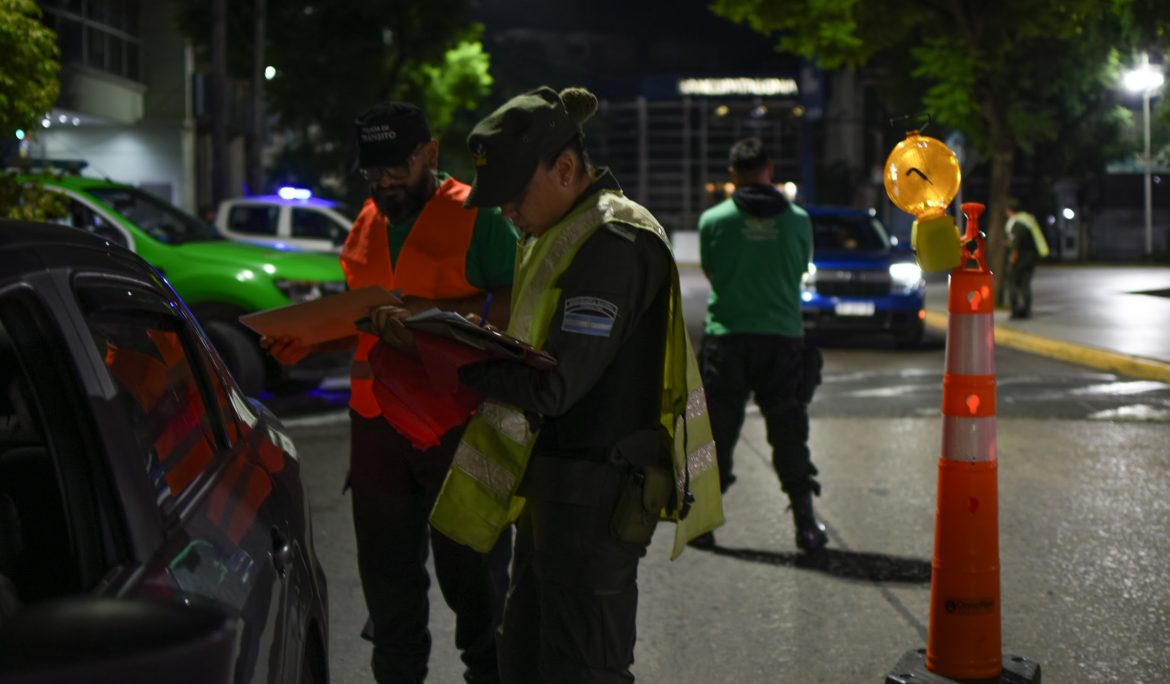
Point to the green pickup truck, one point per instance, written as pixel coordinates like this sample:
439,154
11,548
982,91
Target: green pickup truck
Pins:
219,279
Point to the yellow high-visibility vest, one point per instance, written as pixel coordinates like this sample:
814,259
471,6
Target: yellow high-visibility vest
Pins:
478,499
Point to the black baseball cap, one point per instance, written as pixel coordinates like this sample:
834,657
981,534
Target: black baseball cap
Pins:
387,134
509,143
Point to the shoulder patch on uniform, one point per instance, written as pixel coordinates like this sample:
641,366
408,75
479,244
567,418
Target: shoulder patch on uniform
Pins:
621,231
589,316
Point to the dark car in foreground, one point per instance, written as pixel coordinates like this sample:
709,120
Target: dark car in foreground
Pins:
860,279
150,514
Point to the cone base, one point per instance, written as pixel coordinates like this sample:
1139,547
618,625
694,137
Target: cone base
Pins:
911,669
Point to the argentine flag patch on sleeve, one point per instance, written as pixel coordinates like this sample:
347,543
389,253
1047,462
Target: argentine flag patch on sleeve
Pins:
589,316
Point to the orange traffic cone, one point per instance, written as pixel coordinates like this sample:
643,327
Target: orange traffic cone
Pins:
964,637
963,641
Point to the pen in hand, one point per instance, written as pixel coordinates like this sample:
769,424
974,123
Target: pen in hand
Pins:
487,304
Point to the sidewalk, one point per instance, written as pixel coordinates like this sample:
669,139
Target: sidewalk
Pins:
1113,318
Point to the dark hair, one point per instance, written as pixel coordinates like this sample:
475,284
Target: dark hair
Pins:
748,155
581,105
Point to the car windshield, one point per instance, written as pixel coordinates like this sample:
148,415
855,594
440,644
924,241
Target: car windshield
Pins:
848,234
159,219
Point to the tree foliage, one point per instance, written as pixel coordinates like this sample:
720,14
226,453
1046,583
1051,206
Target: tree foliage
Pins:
28,88
28,67
335,59
1009,74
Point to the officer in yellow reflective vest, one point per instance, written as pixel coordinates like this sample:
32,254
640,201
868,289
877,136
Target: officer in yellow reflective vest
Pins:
588,456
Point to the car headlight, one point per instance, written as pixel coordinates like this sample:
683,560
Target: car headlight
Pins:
808,281
299,291
905,276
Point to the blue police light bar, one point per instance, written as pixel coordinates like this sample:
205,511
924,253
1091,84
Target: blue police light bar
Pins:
290,193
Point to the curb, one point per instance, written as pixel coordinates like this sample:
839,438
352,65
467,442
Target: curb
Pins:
1122,364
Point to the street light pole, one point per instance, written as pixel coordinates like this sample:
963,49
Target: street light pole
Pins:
1146,79
1149,172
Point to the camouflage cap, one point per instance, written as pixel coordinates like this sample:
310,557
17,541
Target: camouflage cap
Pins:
509,143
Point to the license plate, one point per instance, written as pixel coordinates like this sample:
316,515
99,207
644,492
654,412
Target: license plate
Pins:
853,308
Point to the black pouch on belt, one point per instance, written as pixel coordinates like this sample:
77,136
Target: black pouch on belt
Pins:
646,488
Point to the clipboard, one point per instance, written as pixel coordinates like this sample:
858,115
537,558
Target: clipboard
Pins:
320,320
492,342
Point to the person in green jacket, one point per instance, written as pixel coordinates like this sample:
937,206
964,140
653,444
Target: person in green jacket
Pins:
754,247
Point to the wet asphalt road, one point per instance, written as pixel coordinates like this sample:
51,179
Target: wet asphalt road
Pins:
1084,532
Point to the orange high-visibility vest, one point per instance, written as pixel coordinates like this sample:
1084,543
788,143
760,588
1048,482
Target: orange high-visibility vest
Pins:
431,264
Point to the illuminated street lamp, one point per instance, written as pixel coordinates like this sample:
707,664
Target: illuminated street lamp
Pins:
1145,79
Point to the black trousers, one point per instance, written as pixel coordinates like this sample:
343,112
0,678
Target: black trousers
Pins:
394,487
770,367
573,602
1020,285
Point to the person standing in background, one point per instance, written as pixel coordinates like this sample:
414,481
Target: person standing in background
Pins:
754,247
1025,249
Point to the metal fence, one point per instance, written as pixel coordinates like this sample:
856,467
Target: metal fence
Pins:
671,155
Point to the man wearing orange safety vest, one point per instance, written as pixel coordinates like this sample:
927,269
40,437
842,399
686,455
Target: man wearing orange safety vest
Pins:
414,235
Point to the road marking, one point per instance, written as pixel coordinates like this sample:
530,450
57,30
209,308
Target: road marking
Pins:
1122,388
1135,412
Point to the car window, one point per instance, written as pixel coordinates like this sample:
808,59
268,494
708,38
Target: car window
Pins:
217,383
848,234
78,215
147,351
253,219
162,221
308,223
59,527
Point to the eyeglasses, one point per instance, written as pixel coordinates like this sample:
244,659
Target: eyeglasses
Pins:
380,174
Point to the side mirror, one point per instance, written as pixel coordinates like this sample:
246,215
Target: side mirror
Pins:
129,641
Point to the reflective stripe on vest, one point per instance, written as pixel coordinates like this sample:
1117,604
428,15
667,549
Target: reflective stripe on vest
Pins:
431,264
478,497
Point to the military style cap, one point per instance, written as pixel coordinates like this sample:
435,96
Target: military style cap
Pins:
507,146
388,133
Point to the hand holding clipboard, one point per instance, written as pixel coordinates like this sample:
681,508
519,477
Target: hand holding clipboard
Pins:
491,342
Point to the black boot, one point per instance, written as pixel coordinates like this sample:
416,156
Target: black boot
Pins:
810,534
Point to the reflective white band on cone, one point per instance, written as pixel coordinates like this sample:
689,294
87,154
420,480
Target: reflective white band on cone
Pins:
968,439
970,344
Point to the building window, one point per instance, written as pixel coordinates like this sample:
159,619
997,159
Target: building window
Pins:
100,34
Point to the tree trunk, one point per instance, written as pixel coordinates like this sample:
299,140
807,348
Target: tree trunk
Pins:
256,147
1002,163
219,105
1003,156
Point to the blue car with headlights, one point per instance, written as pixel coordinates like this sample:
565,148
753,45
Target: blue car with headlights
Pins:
860,279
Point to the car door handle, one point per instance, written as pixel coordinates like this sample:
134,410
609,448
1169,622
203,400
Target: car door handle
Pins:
282,553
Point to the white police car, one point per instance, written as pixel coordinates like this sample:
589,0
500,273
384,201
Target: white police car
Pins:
290,218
